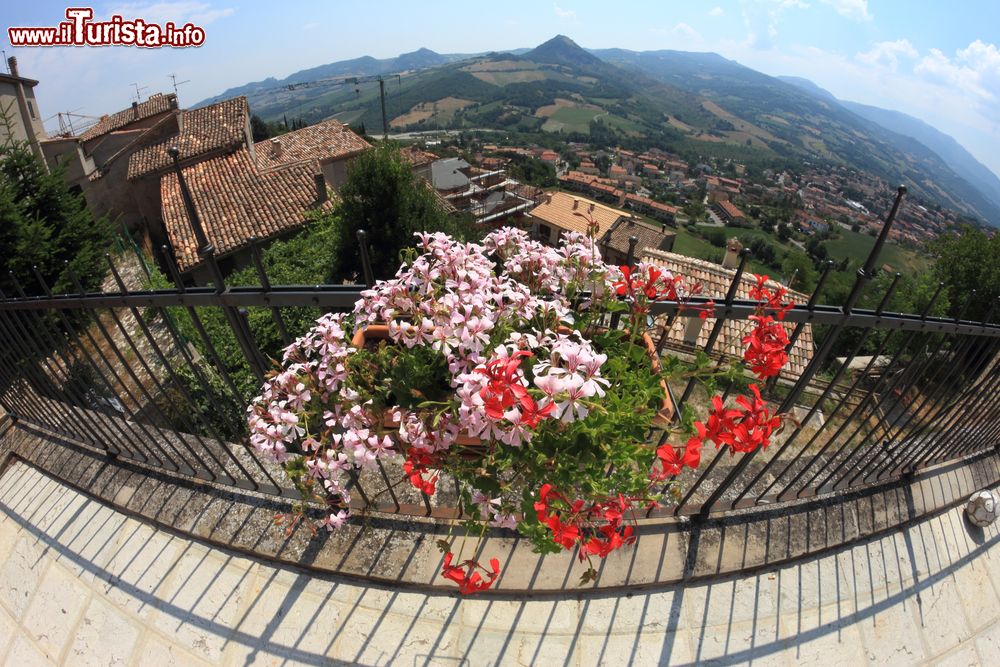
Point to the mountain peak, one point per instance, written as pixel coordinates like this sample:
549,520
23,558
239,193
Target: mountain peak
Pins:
561,50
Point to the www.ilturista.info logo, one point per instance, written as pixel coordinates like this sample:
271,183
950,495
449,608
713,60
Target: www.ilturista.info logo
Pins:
81,30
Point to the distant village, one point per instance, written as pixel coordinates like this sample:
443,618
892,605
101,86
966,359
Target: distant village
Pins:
244,189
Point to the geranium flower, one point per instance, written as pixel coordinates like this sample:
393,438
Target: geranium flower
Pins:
467,574
335,520
672,463
416,466
766,353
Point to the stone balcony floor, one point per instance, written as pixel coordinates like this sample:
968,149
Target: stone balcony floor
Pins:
81,584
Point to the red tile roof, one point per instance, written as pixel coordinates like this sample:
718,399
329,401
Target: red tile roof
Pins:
327,141
730,209
715,281
646,201
649,236
234,202
156,104
416,156
573,213
215,127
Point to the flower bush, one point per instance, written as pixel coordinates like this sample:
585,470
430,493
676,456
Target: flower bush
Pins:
501,367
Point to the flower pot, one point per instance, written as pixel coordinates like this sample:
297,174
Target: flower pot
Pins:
376,332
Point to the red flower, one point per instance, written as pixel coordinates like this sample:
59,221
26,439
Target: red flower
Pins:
672,463
770,299
720,423
504,388
466,574
741,430
565,535
765,353
626,285
578,524
531,414
416,466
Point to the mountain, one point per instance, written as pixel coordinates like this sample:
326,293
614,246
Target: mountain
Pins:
363,66
555,87
561,50
950,151
809,87
697,105
802,120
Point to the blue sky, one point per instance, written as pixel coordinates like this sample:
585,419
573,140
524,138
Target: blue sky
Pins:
939,61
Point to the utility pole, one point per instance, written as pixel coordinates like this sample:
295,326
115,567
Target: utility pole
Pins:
381,94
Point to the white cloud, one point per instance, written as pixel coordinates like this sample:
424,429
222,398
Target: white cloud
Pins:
889,53
856,10
716,11
183,11
762,17
959,95
684,30
974,71
564,13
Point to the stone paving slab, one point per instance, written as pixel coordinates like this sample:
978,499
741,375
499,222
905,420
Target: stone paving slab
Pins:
83,584
400,550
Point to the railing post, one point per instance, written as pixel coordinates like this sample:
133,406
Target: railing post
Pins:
865,274
206,252
366,264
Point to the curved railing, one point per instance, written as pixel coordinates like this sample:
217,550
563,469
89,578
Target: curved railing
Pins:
161,378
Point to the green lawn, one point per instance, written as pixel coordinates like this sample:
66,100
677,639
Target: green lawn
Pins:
856,246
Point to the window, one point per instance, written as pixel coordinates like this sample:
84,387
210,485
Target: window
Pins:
31,108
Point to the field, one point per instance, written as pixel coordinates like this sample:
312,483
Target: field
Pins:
857,246
427,110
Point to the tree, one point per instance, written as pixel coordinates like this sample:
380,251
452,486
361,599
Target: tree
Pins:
967,261
815,248
784,232
532,171
258,128
45,225
799,272
385,198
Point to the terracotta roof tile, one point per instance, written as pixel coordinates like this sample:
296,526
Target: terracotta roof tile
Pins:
558,210
234,202
326,141
417,157
650,236
156,104
215,127
730,209
646,201
715,281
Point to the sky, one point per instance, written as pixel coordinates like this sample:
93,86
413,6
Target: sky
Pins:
938,61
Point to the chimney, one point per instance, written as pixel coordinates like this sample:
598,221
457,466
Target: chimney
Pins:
12,66
692,327
321,194
733,250
276,148
631,221
135,111
576,202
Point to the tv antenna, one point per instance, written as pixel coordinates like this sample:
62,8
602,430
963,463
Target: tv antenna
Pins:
66,127
138,91
175,82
